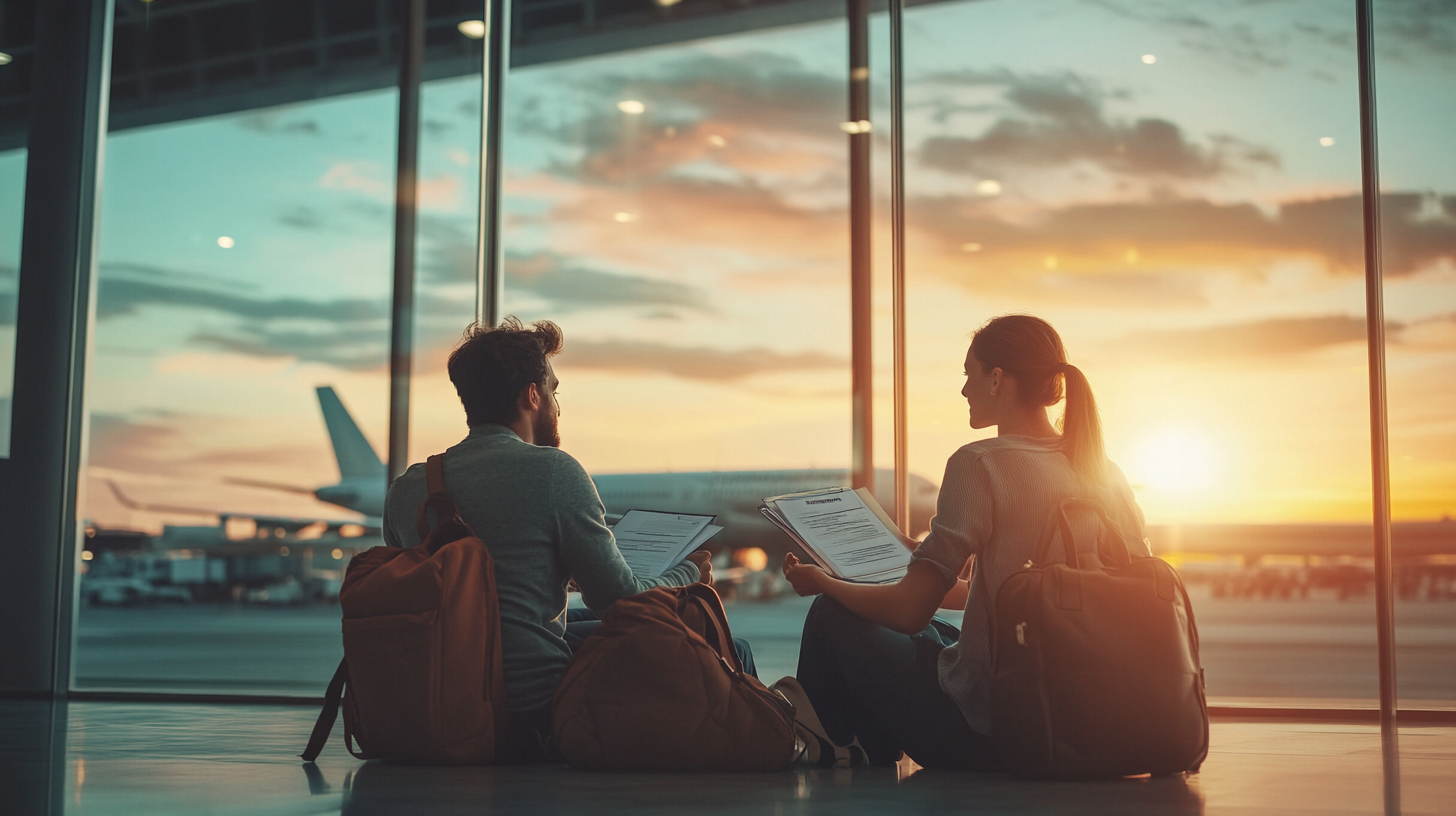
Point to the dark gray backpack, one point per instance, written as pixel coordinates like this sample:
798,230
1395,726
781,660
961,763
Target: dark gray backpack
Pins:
1095,670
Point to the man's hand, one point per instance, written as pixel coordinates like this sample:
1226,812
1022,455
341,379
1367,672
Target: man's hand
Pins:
704,560
807,579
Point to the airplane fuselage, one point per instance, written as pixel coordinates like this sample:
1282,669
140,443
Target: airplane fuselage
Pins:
732,496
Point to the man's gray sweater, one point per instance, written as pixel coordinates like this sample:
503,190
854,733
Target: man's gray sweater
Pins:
541,518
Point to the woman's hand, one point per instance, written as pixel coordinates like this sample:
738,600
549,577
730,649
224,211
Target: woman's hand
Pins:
807,579
704,561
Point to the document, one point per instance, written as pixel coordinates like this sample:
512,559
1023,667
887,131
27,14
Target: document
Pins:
845,531
653,542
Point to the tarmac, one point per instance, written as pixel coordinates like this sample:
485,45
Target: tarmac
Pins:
1319,649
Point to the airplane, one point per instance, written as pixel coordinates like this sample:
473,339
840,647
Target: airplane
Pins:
733,496
363,478
360,487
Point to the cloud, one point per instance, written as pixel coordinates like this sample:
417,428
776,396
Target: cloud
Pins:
1283,337
1193,233
442,192
1259,339
302,218
568,287
716,221
1059,120
351,333
177,444
122,296
274,123
689,363
120,442
1427,27
353,348
1244,46
1420,29
361,177
1436,333
755,111
565,283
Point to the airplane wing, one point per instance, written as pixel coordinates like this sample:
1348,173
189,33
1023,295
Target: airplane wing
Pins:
288,524
286,488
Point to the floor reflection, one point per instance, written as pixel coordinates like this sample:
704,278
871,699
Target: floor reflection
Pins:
241,760
376,789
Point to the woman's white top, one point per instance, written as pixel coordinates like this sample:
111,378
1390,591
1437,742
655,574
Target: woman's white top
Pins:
996,503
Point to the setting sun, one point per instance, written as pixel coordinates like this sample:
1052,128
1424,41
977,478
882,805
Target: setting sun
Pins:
1174,460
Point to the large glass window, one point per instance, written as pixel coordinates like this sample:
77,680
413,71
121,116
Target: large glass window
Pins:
245,262
1178,192
1414,62
17,37
445,256
681,211
241,336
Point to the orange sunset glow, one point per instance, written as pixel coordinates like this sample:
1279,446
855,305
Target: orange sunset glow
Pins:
1191,225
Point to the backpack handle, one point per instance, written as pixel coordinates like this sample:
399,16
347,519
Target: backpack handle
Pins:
1077,554
449,526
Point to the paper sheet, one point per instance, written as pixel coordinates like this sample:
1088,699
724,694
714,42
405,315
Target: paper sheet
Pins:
653,542
845,534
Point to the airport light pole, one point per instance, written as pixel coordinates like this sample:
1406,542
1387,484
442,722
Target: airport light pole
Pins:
489,251
1375,345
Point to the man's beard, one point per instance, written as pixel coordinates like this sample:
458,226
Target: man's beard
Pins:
548,435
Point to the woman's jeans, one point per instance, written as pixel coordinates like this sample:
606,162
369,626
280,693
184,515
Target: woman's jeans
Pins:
883,688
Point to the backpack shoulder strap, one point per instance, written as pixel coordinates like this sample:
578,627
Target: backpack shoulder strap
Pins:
448,524
328,715
716,620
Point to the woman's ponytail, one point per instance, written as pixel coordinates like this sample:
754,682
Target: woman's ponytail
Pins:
1082,428
1030,350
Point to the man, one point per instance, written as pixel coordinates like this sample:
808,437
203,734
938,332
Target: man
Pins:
536,510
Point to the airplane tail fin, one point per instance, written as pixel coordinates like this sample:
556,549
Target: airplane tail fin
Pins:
355,455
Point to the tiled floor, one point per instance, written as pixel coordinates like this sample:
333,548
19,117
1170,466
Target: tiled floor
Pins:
132,758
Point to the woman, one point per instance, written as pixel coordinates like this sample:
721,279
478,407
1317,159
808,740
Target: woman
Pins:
876,667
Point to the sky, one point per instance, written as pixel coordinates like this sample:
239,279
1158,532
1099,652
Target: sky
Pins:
1175,188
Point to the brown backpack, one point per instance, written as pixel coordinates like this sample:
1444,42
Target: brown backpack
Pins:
658,687
422,647
1096,670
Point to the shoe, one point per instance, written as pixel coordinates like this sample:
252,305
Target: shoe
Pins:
813,742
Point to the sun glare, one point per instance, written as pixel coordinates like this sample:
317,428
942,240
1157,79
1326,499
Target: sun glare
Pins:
1174,460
